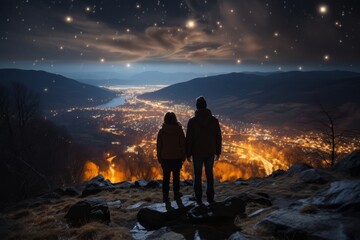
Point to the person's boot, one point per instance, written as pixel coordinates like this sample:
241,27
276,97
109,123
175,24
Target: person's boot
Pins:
165,197
177,195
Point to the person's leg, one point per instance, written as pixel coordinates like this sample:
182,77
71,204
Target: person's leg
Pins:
209,164
176,178
198,163
166,180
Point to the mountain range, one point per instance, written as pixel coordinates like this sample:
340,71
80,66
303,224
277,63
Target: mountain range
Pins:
145,78
274,98
56,91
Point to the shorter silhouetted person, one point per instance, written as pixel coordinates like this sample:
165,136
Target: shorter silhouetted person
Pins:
203,144
171,153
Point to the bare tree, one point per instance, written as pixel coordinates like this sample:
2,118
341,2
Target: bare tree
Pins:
328,125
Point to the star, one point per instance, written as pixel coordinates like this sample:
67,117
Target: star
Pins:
238,61
190,24
323,9
102,60
68,19
128,65
326,57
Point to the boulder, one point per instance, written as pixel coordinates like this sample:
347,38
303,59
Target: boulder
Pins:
147,184
350,164
277,173
342,195
291,224
219,212
88,210
315,218
260,198
297,168
315,176
158,215
115,204
125,184
96,185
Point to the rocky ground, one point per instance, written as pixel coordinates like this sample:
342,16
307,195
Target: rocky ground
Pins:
301,203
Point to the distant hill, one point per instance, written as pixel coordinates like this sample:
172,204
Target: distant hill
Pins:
56,91
155,77
145,78
271,98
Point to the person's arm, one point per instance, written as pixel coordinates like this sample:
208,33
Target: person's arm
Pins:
182,143
189,140
159,146
218,139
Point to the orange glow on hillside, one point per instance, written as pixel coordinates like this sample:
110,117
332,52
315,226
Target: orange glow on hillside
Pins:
248,164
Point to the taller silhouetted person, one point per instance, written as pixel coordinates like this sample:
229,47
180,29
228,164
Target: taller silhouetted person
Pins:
203,144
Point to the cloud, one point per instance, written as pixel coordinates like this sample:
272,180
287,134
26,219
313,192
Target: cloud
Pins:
156,43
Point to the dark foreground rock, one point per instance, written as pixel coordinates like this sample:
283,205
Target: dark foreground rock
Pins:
191,221
218,212
315,176
96,185
164,214
341,195
297,168
147,184
333,213
292,224
350,164
88,210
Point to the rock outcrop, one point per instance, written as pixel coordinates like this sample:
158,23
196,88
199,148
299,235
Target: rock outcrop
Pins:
330,214
88,210
350,164
96,185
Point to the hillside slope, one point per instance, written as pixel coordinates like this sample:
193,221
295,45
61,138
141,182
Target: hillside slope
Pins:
56,91
272,98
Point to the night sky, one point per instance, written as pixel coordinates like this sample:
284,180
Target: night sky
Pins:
236,35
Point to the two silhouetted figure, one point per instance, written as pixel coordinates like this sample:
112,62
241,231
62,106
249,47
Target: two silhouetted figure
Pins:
203,145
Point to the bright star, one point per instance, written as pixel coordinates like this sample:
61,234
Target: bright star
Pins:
326,57
102,60
128,65
69,19
323,9
190,24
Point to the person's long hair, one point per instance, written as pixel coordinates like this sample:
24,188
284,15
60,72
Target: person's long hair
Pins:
170,119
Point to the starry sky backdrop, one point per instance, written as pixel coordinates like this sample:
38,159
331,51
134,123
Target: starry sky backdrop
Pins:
237,35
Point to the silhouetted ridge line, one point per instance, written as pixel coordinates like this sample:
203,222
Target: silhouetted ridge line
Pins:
56,91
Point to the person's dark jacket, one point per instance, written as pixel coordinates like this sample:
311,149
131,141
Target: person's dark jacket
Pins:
203,135
170,143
